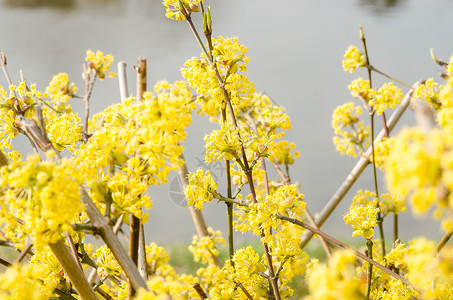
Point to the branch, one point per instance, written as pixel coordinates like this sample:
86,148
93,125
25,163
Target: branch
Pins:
112,242
122,79
71,268
344,246
357,170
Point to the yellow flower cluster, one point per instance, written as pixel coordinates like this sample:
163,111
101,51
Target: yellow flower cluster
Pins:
201,188
135,144
429,91
338,279
352,136
204,248
244,268
48,270
430,271
387,96
19,99
362,219
445,114
106,263
223,144
163,282
261,216
60,90
100,63
63,130
360,88
174,11
420,168
19,283
381,151
201,76
281,153
39,198
353,59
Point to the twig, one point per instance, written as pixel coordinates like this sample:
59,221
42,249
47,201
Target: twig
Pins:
3,63
141,77
122,80
200,291
444,240
248,171
4,262
89,89
247,294
112,242
23,253
357,170
380,219
141,263
73,250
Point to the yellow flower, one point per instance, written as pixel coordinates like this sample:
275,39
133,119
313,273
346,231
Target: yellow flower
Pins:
429,91
281,153
450,67
21,283
337,279
223,144
99,62
200,189
351,134
362,218
106,262
386,96
60,90
353,59
174,11
361,89
44,195
205,248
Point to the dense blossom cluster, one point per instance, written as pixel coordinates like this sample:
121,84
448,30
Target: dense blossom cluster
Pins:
128,147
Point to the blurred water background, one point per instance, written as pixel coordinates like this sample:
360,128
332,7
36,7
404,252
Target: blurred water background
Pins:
295,50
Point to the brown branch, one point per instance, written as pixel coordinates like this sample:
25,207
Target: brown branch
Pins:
200,291
344,246
112,241
71,268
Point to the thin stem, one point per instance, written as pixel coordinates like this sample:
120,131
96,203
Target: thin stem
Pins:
246,293
89,89
8,78
23,253
395,227
344,246
371,68
4,262
444,240
197,287
273,279
378,204
322,240
229,205
73,250
369,245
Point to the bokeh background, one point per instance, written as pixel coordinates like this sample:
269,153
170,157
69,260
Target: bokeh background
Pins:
295,50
